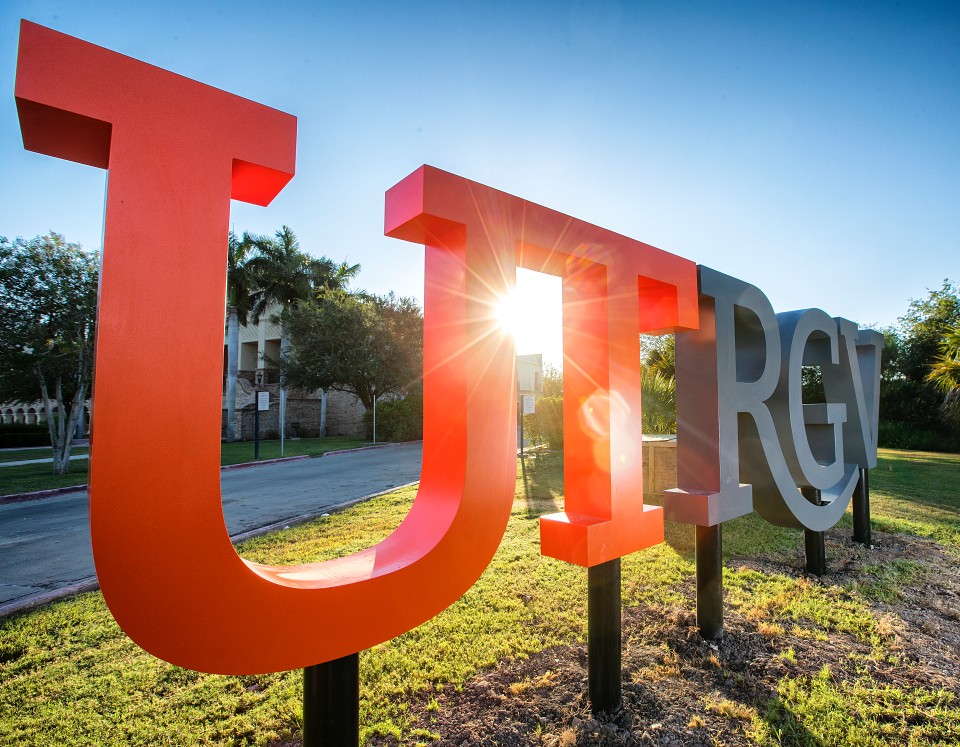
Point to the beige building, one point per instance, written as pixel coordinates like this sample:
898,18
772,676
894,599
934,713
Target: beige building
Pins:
34,413
308,414
530,374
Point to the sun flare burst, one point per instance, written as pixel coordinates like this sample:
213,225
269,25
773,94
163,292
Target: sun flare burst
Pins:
531,315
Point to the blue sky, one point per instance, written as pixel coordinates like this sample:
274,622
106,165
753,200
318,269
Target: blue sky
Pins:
812,149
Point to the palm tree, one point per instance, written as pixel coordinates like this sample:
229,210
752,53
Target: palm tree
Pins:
659,392
284,276
945,374
238,307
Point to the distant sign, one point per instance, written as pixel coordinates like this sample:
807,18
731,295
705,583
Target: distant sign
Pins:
263,401
529,406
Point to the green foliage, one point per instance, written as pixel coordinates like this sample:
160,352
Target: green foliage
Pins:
546,424
14,435
362,344
48,305
659,383
945,374
397,420
923,326
283,274
913,412
660,354
240,277
659,393
552,381
898,434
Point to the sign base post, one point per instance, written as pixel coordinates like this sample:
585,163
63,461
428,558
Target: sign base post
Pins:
861,509
814,545
331,703
709,558
604,635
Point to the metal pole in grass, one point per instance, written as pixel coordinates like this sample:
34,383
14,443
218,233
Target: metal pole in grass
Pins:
604,636
861,509
813,542
257,381
256,425
709,557
331,703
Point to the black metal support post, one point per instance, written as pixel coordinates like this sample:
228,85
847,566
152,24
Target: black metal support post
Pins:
604,636
861,509
709,555
813,542
256,424
331,703
520,423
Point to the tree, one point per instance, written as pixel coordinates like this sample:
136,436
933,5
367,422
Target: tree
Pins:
239,286
48,288
945,374
284,275
658,383
923,328
367,345
552,381
913,412
660,354
659,394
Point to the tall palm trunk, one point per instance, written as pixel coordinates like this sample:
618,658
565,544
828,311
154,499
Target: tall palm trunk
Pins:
233,343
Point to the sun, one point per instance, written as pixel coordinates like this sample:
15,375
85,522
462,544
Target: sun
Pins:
509,314
531,315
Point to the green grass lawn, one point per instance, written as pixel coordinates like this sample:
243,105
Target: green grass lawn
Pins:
45,452
69,676
30,477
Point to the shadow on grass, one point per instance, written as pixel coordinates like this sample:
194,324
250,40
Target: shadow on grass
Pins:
542,482
723,676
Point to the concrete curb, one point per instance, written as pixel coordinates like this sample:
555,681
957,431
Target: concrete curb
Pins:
46,597
371,447
278,460
91,584
37,495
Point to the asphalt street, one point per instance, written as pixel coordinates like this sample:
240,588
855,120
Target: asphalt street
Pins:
45,544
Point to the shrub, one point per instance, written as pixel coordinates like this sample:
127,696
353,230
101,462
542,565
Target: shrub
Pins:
397,420
16,435
546,424
895,434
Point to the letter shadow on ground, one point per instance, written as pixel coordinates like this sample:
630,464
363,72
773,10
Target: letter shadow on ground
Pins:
541,473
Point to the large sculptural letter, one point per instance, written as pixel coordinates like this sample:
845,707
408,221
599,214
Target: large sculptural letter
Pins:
177,151
741,415
614,288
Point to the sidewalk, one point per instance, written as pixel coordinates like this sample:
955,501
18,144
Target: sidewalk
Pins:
48,460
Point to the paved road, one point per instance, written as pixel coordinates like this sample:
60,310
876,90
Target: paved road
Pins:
45,544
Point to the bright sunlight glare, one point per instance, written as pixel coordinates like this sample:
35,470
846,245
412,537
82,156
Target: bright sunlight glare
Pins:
532,315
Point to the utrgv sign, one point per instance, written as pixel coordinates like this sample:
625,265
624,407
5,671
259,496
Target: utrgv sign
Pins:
745,438
177,152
